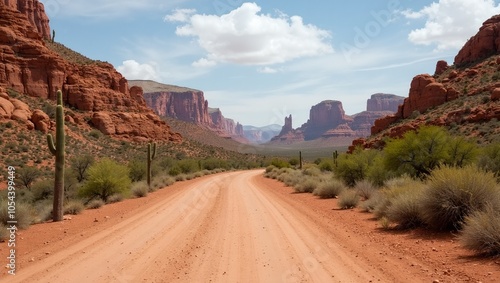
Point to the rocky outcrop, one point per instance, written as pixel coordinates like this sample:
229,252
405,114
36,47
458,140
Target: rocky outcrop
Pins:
189,106
324,116
29,67
484,44
384,102
34,11
441,67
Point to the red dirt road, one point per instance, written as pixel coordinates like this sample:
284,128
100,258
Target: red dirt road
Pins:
231,227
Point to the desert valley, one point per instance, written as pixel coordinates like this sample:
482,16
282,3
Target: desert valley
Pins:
109,179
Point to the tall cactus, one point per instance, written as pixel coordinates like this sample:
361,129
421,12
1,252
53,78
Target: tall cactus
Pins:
151,156
335,157
58,151
300,160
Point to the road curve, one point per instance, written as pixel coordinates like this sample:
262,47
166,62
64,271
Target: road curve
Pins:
225,228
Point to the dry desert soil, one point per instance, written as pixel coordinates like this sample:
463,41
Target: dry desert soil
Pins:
237,227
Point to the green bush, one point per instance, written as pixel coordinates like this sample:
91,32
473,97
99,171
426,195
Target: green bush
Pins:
270,168
73,207
354,167
376,199
27,175
454,193
279,163
106,178
481,231
138,170
489,159
348,199
329,189
326,165
312,171
188,166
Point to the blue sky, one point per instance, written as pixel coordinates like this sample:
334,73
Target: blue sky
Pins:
261,61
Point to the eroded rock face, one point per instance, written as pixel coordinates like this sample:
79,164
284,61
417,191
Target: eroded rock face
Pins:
34,11
28,67
485,43
323,117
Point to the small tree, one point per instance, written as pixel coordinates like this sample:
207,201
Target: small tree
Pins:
354,167
417,153
27,175
81,164
106,178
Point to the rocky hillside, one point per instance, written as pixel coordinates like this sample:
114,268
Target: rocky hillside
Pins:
464,97
98,95
188,105
327,120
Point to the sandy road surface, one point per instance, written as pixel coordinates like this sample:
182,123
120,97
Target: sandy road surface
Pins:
221,228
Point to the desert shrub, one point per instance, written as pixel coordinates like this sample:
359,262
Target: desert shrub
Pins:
198,174
375,200
24,214
377,174
106,178
348,199
393,188
294,161
293,178
326,165
365,189
354,167
329,189
115,198
140,189
405,208
270,168
307,185
213,163
454,193
137,170
95,203
481,231
42,211
489,159
180,177
174,171
188,166
279,163
74,207
312,171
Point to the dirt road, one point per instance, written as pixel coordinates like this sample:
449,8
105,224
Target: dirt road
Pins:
222,228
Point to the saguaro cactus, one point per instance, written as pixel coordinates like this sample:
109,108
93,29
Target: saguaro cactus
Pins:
151,156
300,160
335,156
58,151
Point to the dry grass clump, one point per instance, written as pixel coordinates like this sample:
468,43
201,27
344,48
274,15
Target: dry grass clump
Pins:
365,189
24,214
394,188
329,189
405,208
307,185
115,198
140,189
481,232
95,203
348,199
74,207
454,193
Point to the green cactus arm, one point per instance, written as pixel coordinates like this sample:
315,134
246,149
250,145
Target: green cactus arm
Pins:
50,142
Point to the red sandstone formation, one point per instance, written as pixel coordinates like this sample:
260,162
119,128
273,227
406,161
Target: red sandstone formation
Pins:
484,44
28,67
384,102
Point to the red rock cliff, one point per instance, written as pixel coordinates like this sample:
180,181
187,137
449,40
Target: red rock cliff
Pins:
34,12
324,116
384,102
29,67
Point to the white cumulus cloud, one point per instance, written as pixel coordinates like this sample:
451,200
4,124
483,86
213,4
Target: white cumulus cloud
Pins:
133,70
267,70
246,36
450,23
204,63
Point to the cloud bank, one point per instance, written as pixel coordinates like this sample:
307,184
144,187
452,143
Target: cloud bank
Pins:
247,37
449,23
